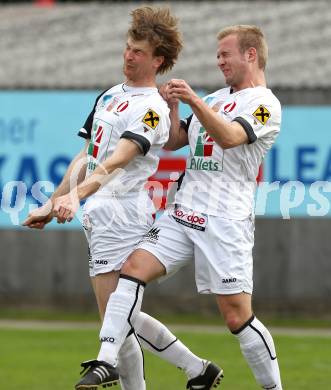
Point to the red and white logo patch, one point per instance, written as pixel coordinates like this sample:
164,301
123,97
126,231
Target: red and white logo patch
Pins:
123,106
229,107
190,219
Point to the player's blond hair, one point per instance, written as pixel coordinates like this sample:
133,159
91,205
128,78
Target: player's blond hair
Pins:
248,36
159,28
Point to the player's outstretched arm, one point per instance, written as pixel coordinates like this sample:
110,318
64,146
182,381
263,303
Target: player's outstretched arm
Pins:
66,206
40,217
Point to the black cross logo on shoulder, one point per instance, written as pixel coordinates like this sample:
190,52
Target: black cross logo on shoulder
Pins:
262,114
151,119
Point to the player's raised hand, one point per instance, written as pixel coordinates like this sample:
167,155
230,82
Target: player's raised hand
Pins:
38,218
179,89
164,92
65,207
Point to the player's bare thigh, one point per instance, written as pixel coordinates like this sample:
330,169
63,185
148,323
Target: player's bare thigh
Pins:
144,266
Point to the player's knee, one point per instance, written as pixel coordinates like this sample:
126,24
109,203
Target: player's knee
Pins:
131,267
233,321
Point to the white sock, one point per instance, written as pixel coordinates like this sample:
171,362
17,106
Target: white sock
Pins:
131,365
258,348
157,338
123,305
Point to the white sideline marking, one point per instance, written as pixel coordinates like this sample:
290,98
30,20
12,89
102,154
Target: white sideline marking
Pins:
212,329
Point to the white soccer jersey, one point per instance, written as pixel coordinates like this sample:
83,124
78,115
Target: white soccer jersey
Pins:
138,114
222,182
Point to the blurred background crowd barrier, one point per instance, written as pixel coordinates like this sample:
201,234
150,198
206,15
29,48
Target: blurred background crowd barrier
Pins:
56,57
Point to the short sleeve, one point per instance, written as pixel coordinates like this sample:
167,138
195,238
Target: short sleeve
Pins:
185,123
261,117
148,125
85,131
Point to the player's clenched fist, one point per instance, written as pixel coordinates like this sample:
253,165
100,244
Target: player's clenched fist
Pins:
164,92
179,89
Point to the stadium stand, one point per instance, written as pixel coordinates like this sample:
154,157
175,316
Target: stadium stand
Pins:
79,45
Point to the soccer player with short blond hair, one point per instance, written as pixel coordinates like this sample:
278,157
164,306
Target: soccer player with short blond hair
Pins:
212,218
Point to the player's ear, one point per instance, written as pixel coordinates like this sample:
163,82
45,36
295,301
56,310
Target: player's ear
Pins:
158,61
251,54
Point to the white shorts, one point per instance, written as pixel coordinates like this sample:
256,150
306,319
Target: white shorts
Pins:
113,228
221,249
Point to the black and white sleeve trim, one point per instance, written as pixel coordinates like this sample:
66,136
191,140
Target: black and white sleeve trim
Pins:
185,123
248,129
86,130
141,141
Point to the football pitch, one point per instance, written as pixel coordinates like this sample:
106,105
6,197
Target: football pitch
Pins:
49,360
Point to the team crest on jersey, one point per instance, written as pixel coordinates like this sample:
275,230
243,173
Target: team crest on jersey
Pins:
151,119
262,114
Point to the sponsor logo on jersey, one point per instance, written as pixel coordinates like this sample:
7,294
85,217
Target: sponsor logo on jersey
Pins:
202,160
91,165
151,236
151,119
200,164
205,144
229,107
123,106
190,219
94,145
262,114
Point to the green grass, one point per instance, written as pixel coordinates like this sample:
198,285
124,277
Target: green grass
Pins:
52,314
36,360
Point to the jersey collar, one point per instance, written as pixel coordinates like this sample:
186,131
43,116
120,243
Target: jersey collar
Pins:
128,88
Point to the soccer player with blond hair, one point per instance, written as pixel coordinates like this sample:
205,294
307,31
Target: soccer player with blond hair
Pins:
126,129
212,218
